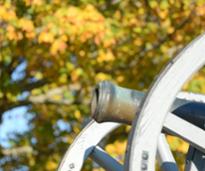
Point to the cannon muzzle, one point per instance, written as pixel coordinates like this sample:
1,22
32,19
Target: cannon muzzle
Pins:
116,104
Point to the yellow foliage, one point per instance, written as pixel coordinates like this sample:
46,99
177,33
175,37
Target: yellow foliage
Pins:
35,91
197,84
120,78
166,23
30,35
76,129
77,114
183,147
56,97
1,94
12,34
117,148
38,75
69,66
141,11
31,161
102,76
11,97
26,25
177,144
170,29
76,73
164,49
138,42
56,1
45,37
58,46
105,56
6,13
98,169
63,37
63,78
163,14
200,10
93,27
179,37
153,4
82,53
51,165
33,2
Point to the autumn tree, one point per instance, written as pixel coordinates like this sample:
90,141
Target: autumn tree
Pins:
66,47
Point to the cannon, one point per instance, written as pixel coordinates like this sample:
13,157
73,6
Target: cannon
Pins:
162,110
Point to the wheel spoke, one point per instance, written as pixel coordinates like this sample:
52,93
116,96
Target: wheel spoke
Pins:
164,155
105,160
185,130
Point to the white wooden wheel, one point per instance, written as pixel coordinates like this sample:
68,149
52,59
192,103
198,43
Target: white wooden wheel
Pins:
153,115
150,119
84,145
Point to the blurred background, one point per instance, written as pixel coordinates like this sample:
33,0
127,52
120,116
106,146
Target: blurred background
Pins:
53,52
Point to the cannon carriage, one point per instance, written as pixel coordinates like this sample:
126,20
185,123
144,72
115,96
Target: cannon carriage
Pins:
162,110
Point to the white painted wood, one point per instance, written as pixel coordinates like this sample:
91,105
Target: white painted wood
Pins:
191,96
149,121
164,155
194,135
83,145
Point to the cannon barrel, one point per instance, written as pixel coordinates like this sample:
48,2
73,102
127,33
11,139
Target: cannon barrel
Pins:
117,104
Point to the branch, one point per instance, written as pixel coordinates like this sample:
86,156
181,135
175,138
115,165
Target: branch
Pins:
20,86
5,107
17,151
49,97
